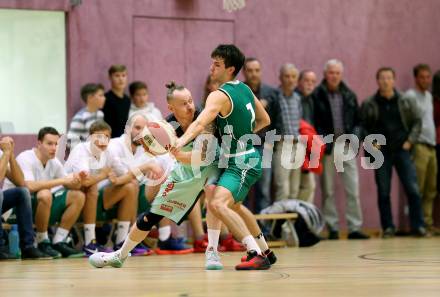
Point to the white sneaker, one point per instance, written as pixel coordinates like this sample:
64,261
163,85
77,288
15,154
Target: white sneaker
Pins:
100,260
212,260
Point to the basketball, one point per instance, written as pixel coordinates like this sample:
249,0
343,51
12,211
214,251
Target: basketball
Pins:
158,137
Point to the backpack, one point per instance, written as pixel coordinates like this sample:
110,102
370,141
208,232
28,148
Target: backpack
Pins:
309,224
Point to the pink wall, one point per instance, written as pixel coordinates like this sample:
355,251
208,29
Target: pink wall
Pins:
172,39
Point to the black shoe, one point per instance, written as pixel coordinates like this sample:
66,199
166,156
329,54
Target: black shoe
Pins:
333,235
270,255
46,247
419,232
33,253
388,233
67,251
6,256
358,235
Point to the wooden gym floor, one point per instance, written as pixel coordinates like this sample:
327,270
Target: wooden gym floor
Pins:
378,268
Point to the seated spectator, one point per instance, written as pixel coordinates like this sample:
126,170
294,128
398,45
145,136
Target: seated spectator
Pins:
98,171
140,102
56,196
18,198
93,96
395,117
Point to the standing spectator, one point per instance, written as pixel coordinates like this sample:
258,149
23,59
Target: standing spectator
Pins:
336,112
93,95
424,153
395,117
140,102
210,86
286,179
436,96
117,103
306,84
266,94
18,198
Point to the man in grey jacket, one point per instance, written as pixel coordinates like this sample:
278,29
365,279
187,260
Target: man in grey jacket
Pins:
395,117
424,153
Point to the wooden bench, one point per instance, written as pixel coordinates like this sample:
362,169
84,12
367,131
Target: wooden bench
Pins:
289,217
290,220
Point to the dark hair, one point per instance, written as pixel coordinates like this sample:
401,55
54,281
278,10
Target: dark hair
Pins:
136,86
90,89
116,68
47,130
99,125
384,69
248,60
436,85
231,55
420,67
303,73
172,86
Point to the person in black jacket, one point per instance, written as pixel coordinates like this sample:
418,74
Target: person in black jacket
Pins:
390,114
267,95
336,113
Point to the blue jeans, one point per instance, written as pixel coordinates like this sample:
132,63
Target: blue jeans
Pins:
20,198
406,170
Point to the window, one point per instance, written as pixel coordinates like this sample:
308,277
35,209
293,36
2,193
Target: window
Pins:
32,71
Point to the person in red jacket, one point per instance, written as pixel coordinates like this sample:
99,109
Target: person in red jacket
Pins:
312,161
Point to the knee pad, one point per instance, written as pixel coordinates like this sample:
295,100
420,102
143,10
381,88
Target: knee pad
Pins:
147,220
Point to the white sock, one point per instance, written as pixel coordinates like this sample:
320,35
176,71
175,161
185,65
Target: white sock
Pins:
262,242
164,233
122,231
60,235
127,247
41,236
213,236
89,233
250,244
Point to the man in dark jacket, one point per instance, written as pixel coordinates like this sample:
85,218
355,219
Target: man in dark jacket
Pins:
336,113
267,95
395,117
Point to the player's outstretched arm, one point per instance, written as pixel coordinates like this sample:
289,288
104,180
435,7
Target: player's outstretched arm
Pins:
214,103
262,118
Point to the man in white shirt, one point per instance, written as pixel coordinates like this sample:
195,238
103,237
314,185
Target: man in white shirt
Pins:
56,196
20,199
98,168
139,167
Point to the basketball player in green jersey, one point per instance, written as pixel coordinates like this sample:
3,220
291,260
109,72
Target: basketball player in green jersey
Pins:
239,115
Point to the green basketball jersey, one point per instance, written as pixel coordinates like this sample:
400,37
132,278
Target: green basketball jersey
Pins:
241,120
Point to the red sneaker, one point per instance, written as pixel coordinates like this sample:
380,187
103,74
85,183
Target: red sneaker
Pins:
229,244
255,262
200,245
269,254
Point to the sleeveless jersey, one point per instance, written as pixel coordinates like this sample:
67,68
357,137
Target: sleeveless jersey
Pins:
241,119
